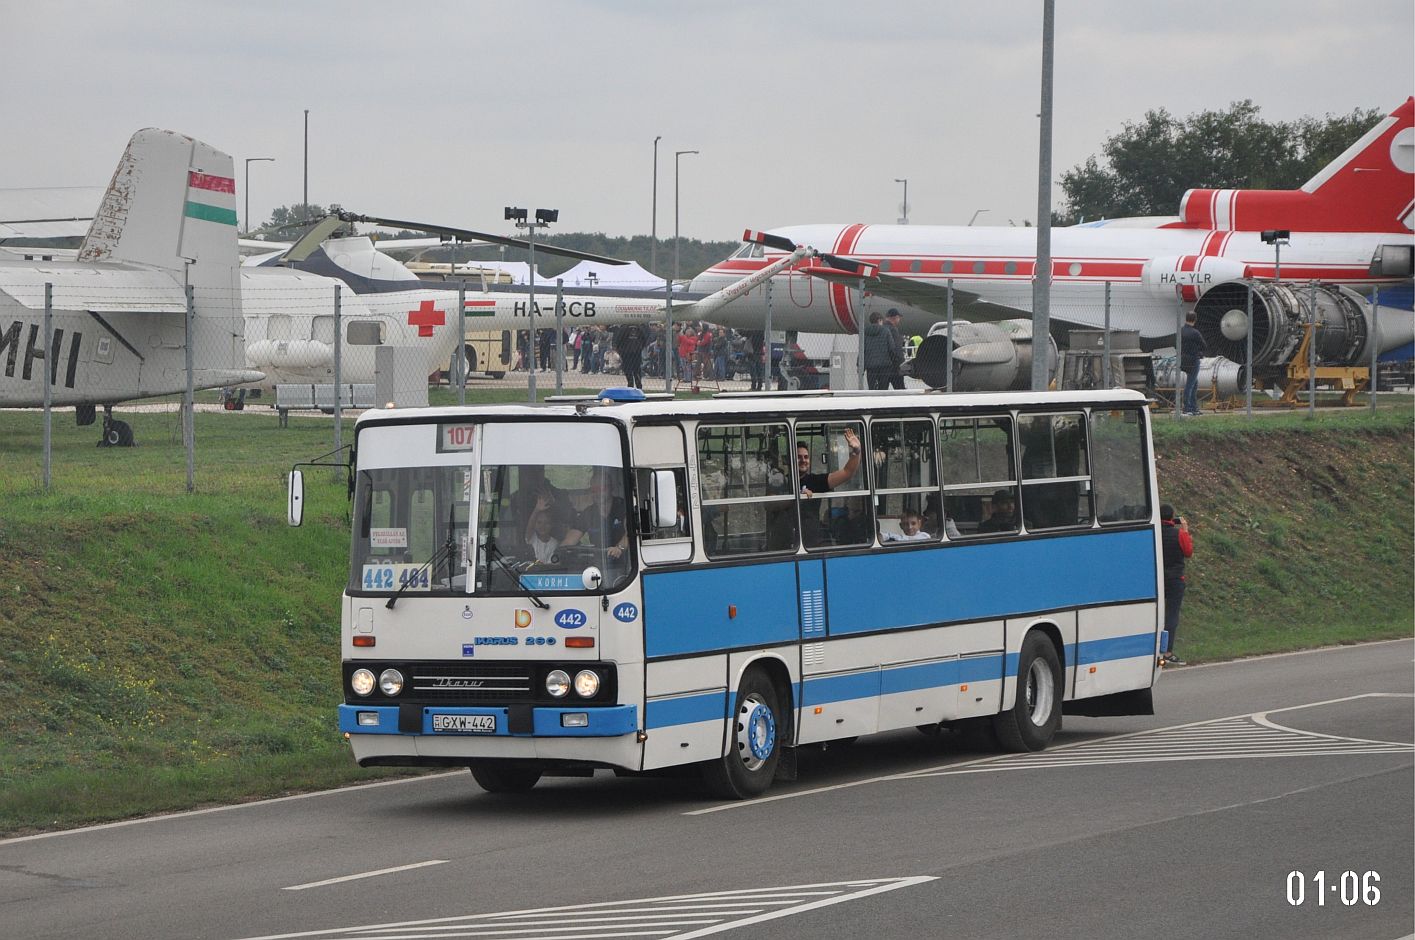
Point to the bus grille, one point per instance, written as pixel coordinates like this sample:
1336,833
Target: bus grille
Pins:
480,682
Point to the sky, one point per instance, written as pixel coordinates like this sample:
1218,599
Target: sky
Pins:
801,112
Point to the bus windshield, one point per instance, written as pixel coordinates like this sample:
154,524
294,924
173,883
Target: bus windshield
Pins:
551,503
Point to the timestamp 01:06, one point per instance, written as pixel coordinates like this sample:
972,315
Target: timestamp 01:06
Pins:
1348,886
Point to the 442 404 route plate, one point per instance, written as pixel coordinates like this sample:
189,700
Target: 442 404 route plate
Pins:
464,724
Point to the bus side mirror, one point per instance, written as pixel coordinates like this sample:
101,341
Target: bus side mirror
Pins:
665,499
295,498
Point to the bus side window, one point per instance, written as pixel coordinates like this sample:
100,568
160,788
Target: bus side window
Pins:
661,544
906,482
834,515
1056,482
979,485
1118,466
744,480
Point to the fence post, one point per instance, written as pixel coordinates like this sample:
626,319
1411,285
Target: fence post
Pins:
1178,352
189,401
1375,342
461,359
338,370
1248,355
48,380
1312,358
948,350
560,336
1105,340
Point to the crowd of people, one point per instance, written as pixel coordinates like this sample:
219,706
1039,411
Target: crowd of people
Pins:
701,352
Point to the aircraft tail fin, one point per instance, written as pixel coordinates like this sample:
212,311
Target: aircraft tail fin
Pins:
1369,188
172,200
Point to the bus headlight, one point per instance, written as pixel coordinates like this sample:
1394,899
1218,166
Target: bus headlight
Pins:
586,683
361,682
557,683
390,682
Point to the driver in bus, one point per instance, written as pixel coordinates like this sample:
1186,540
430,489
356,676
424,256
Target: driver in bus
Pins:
603,517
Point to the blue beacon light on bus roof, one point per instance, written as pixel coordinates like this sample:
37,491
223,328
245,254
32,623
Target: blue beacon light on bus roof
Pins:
621,393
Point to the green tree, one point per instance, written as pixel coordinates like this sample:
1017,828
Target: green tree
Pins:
1146,167
284,217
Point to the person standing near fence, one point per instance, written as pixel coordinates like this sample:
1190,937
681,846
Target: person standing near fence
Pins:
877,359
896,348
629,343
1192,349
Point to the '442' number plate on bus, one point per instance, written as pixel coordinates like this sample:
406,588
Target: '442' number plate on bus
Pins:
465,724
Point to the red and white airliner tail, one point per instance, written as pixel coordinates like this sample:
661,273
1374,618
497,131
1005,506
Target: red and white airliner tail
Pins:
1366,189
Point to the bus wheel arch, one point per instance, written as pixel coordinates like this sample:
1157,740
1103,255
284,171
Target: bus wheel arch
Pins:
1035,715
758,726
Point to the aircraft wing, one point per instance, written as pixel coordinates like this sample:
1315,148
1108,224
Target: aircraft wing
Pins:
52,212
924,296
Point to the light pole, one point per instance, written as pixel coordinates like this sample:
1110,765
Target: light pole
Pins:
249,161
670,347
653,225
305,212
543,219
976,213
904,211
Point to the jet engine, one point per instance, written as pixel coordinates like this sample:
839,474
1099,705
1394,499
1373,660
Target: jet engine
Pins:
1279,313
989,357
1214,372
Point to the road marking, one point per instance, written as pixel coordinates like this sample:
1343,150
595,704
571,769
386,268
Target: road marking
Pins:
1236,737
366,874
231,806
675,917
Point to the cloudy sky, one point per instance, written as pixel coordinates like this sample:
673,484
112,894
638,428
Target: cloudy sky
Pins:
803,112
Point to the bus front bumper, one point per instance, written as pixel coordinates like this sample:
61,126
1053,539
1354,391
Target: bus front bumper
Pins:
472,723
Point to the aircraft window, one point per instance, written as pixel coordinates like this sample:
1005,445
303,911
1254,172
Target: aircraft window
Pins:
915,266
884,264
744,252
322,329
948,267
1010,267
758,251
1075,268
278,327
979,267
364,332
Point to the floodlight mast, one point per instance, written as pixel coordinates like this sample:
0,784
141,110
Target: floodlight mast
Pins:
543,218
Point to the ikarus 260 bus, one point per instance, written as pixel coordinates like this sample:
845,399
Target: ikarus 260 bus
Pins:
637,584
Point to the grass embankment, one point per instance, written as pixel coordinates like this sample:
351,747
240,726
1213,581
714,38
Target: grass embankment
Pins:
160,650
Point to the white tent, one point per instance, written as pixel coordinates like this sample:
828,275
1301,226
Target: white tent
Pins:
615,276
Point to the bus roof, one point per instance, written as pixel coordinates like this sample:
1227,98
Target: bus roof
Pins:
769,403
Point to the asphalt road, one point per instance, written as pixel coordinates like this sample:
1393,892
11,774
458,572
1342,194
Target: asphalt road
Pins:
1185,824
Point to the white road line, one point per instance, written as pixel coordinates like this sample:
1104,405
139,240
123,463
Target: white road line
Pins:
366,874
679,916
1210,734
222,809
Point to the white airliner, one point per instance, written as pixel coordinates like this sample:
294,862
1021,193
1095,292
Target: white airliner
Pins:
167,222
1350,231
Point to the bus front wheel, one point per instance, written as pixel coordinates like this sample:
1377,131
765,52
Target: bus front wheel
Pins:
500,777
1033,719
754,747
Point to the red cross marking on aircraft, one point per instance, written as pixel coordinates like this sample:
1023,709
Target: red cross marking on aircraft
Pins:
425,318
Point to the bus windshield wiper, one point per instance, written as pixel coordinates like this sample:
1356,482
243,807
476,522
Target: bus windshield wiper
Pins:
445,551
495,555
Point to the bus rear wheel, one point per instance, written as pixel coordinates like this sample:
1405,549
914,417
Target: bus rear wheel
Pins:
1033,719
754,748
501,777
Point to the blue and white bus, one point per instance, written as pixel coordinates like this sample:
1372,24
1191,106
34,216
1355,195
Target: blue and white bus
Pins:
638,584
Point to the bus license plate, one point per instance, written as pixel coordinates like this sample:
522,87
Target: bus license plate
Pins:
465,724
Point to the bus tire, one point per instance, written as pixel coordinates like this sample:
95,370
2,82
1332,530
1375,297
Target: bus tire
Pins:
501,777
754,746
1033,719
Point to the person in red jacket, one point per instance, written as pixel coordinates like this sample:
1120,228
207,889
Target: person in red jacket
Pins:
687,345
1177,545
